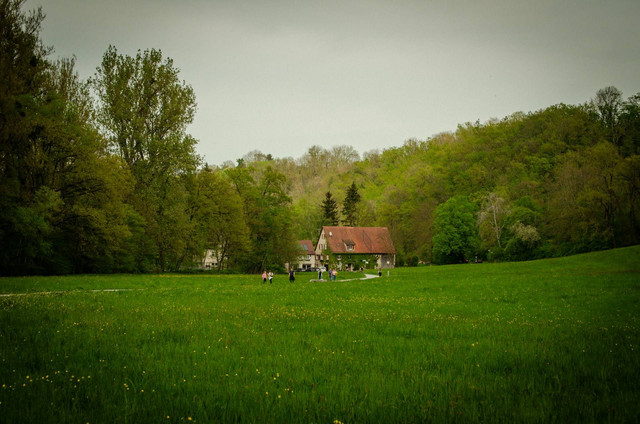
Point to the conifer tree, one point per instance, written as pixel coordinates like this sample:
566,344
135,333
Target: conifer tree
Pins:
329,210
350,206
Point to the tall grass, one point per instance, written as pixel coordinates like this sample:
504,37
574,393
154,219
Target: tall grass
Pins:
546,341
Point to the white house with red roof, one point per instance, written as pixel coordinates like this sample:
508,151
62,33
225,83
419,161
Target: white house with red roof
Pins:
348,243
307,257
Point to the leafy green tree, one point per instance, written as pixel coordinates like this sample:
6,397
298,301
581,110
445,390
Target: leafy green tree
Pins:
523,242
221,222
268,213
143,111
274,242
329,210
350,206
307,219
61,193
26,212
455,234
584,199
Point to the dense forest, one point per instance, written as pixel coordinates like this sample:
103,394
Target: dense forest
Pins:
102,176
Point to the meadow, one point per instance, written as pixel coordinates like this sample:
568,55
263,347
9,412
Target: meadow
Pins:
544,341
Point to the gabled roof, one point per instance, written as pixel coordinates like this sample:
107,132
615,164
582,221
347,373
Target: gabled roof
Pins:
306,246
365,240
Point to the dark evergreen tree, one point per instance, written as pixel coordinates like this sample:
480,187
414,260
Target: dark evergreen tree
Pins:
61,193
350,206
329,210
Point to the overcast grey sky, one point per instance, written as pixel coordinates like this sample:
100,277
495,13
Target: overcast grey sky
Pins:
281,76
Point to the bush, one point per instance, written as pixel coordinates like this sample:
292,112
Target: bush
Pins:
497,254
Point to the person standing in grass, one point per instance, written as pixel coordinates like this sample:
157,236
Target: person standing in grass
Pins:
320,273
292,275
264,277
380,272
335,274
270,277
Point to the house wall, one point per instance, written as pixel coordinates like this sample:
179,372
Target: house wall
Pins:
320,246
305,263
210,260
387,261
322,243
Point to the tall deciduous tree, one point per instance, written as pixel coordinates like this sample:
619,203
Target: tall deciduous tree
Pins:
221,221
492,219
267,210
144,110
608,103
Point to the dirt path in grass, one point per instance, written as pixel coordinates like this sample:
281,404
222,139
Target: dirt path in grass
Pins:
366,277
64,292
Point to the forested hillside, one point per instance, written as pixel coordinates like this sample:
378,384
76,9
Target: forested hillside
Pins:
561,180
102,176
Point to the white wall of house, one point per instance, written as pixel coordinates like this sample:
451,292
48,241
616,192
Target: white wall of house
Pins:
320,247
386,261
210,260
307,261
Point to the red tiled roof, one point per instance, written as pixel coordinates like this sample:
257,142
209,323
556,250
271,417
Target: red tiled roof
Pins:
307,246
365,240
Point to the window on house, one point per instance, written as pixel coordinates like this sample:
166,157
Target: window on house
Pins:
308,257
350,247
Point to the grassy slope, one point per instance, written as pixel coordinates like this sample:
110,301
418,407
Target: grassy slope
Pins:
552,340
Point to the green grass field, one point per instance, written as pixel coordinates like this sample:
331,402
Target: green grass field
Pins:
546,341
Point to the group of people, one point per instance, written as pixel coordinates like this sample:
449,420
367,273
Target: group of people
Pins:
266,275
269,275
333,274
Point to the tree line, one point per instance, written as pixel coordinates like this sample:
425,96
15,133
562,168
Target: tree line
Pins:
102,176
